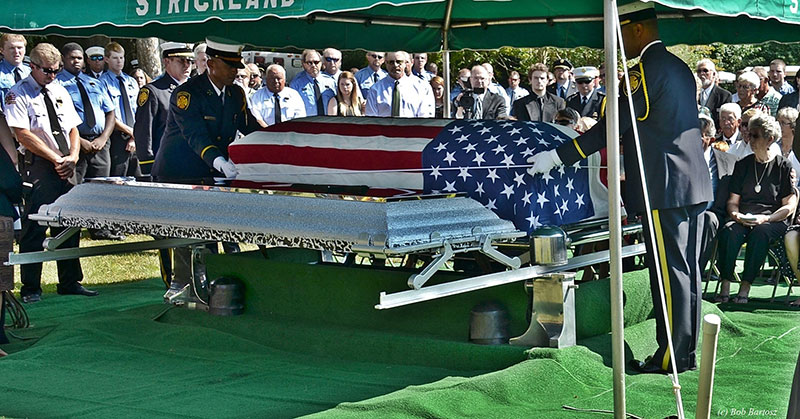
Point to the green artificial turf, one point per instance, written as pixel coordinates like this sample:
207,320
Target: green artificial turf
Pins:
310,342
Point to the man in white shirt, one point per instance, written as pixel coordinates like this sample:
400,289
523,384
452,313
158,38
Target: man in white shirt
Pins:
400,95
276,96
513,91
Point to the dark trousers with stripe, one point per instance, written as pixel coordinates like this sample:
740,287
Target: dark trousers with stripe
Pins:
678,233
758,238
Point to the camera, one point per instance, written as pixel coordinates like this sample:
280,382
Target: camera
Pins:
467,101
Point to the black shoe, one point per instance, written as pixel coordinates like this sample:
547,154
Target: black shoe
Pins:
32,298
649,367
77,289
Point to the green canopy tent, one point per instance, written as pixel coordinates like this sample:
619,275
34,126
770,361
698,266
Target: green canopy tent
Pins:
420,25
413,25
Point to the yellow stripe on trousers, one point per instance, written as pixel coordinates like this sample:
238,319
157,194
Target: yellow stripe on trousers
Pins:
662,256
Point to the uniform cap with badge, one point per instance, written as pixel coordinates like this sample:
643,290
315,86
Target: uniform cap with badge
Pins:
586,73
95,52
562,63
177,49
226,50
635,12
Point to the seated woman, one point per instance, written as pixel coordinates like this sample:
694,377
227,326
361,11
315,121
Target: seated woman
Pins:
348,101
760,202
787,118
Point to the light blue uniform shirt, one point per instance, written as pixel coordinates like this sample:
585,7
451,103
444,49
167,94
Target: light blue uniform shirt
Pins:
365,78
304,85
98,96
112,86
7,77
424,76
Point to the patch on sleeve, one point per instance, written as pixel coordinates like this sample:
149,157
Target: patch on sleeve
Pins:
11,98
636,82
183,100
144,94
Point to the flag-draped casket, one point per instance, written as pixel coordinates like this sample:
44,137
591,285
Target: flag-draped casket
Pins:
485,160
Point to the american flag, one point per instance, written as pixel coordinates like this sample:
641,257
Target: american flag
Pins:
396,157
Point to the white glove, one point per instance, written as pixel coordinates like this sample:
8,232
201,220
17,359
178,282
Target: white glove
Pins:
226,166
543,162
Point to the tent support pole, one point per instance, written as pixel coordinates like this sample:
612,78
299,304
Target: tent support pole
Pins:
446,57
615,219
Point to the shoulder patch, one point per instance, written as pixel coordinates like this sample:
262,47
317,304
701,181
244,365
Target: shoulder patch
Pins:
636,82
144,94
11,98
183,100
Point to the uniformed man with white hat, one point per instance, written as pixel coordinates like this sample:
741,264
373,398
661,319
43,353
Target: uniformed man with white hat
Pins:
96,61
587,100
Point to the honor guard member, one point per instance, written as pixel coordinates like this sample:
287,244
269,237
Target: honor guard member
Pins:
45,123
153,102
123,90
315,89
204,115
96,61
275,102
400,95
587,101
12,68
678,184
95,109
564,86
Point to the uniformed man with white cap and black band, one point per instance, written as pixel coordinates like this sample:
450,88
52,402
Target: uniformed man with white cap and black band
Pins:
204,115
95,59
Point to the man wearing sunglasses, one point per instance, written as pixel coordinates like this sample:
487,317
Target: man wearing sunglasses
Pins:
314,88
372,73
96,62
587,101
332,63
44,120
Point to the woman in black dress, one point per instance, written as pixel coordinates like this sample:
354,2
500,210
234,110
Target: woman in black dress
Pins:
761,200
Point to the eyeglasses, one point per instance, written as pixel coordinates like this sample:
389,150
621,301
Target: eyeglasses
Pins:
96,58
583,81
563,121
242,76
332,60
316,62
396,62
703,70
376,56
514,79
51,71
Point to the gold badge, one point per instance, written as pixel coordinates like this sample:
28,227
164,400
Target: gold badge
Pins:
144,93
183,100
636,82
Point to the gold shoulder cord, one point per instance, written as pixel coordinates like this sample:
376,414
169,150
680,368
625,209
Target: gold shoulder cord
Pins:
646,97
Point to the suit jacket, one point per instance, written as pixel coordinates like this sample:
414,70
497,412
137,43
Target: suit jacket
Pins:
725,164
592,107
572,88
717,98
665,108
532,106
200,126
789,100
151,119
494,106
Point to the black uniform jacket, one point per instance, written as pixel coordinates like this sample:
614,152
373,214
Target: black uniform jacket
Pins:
669,130
151,119
592,108
199,129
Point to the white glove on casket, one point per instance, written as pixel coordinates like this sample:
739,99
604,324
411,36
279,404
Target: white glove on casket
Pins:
226,167
543,162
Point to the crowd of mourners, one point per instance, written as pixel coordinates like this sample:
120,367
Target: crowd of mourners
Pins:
120,120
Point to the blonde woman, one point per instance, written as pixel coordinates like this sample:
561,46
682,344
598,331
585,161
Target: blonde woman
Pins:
348,101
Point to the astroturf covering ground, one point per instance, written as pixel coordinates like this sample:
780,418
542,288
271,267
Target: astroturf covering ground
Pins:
311,342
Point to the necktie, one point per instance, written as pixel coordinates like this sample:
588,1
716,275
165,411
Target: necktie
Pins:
88,109
583,100
17,75
478,108
318,98
540,101
126,104
562,92
421,76
712,169
396,99
55,126
374,78
277,109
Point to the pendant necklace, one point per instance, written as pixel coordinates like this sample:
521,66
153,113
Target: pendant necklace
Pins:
757,188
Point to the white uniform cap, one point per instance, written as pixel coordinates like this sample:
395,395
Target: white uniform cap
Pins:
587,72
91,51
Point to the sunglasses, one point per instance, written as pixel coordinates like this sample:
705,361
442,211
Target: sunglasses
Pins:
317,62
332,60
583,81
703,70
96,58
563,121
376,56
51,71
